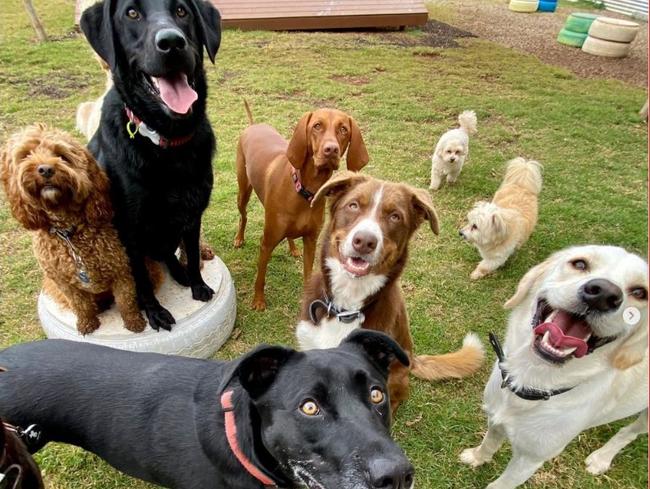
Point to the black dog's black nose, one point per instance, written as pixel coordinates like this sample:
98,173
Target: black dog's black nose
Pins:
390,474
601,295
170,39
46,171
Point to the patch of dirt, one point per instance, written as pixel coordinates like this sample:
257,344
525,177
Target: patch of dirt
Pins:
434,35
56,86
536,34
351,80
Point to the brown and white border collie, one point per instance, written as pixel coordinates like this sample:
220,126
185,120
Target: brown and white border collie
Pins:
365,249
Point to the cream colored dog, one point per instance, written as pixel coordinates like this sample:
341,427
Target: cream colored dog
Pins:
575,357
500,227
452,151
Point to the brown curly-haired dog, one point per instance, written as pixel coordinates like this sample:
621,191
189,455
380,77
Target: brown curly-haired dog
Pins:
55,188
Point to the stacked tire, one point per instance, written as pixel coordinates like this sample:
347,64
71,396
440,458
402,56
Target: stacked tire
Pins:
547,6
576,29
524,6
610,37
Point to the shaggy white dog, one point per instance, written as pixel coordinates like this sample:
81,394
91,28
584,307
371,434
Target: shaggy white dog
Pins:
575,357
452,150
500,227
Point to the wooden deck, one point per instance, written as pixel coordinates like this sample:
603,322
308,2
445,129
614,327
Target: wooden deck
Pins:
283,15
320,14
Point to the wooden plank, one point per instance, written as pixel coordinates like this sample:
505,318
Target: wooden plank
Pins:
328,22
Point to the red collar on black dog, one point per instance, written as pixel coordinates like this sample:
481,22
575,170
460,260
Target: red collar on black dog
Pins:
233,443
144,130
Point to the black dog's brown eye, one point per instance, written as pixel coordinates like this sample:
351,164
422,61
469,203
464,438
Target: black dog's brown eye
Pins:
579,265
133,14
181,12
640,293
310,408
377,396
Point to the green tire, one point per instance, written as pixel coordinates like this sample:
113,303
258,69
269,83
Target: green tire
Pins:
570,38
579,22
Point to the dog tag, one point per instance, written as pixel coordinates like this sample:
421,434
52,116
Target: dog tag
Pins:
132,132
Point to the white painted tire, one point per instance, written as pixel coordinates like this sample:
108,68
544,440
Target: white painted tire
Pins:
524,6
609,29
201,327
609,49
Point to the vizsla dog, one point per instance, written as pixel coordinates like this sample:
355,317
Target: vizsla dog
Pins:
285,176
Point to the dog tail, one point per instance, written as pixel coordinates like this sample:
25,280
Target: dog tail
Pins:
455,365
467,121
525,173
249,113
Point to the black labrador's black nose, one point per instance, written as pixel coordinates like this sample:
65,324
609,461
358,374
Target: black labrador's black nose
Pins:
168,40
391,474
601,295
46,171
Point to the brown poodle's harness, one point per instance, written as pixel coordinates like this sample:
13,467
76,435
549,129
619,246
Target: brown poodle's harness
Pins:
66,235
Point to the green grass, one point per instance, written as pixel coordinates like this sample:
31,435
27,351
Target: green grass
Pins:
586,133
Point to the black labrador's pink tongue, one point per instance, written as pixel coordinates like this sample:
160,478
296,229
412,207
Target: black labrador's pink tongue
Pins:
176,92
566,332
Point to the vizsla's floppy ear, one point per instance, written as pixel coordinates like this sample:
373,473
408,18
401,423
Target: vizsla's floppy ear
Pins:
259,368
424,208
381,349
357,156
298,149
337,184
633,349
98,204
97,26
208,24
530,280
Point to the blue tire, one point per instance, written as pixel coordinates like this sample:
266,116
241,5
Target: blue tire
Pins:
547,6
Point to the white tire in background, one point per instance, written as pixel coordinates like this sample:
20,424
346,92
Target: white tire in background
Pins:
609,49
609,29
201,327
523,6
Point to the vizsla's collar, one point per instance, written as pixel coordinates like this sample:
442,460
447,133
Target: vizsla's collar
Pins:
231,435
302,191
135,125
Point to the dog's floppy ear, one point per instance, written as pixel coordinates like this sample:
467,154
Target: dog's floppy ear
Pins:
530,280
357,156
98,204
423,206
338,184
259,368
209,25
499,223
632,350
380,348
97,26
298,149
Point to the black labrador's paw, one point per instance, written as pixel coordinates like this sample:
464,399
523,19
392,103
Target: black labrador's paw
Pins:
178,272
202,292
159,317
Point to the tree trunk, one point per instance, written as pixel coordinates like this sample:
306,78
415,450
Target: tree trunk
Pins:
36,23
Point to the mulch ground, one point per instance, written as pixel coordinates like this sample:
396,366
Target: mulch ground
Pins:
536,34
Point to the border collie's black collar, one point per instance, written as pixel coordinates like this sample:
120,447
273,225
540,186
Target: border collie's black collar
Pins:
527,393
135,125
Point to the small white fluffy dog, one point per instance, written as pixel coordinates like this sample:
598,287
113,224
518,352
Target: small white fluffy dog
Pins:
578,334
500,227
452,150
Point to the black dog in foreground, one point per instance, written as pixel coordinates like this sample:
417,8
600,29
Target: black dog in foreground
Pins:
154,138
272,418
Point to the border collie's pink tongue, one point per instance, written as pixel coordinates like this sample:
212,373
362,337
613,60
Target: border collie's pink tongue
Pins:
176,92
565,331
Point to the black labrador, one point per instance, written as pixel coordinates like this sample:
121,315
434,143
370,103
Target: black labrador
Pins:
272,418
154,139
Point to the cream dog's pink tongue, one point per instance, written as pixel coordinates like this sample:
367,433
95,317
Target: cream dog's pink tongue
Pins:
176,93
566,332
